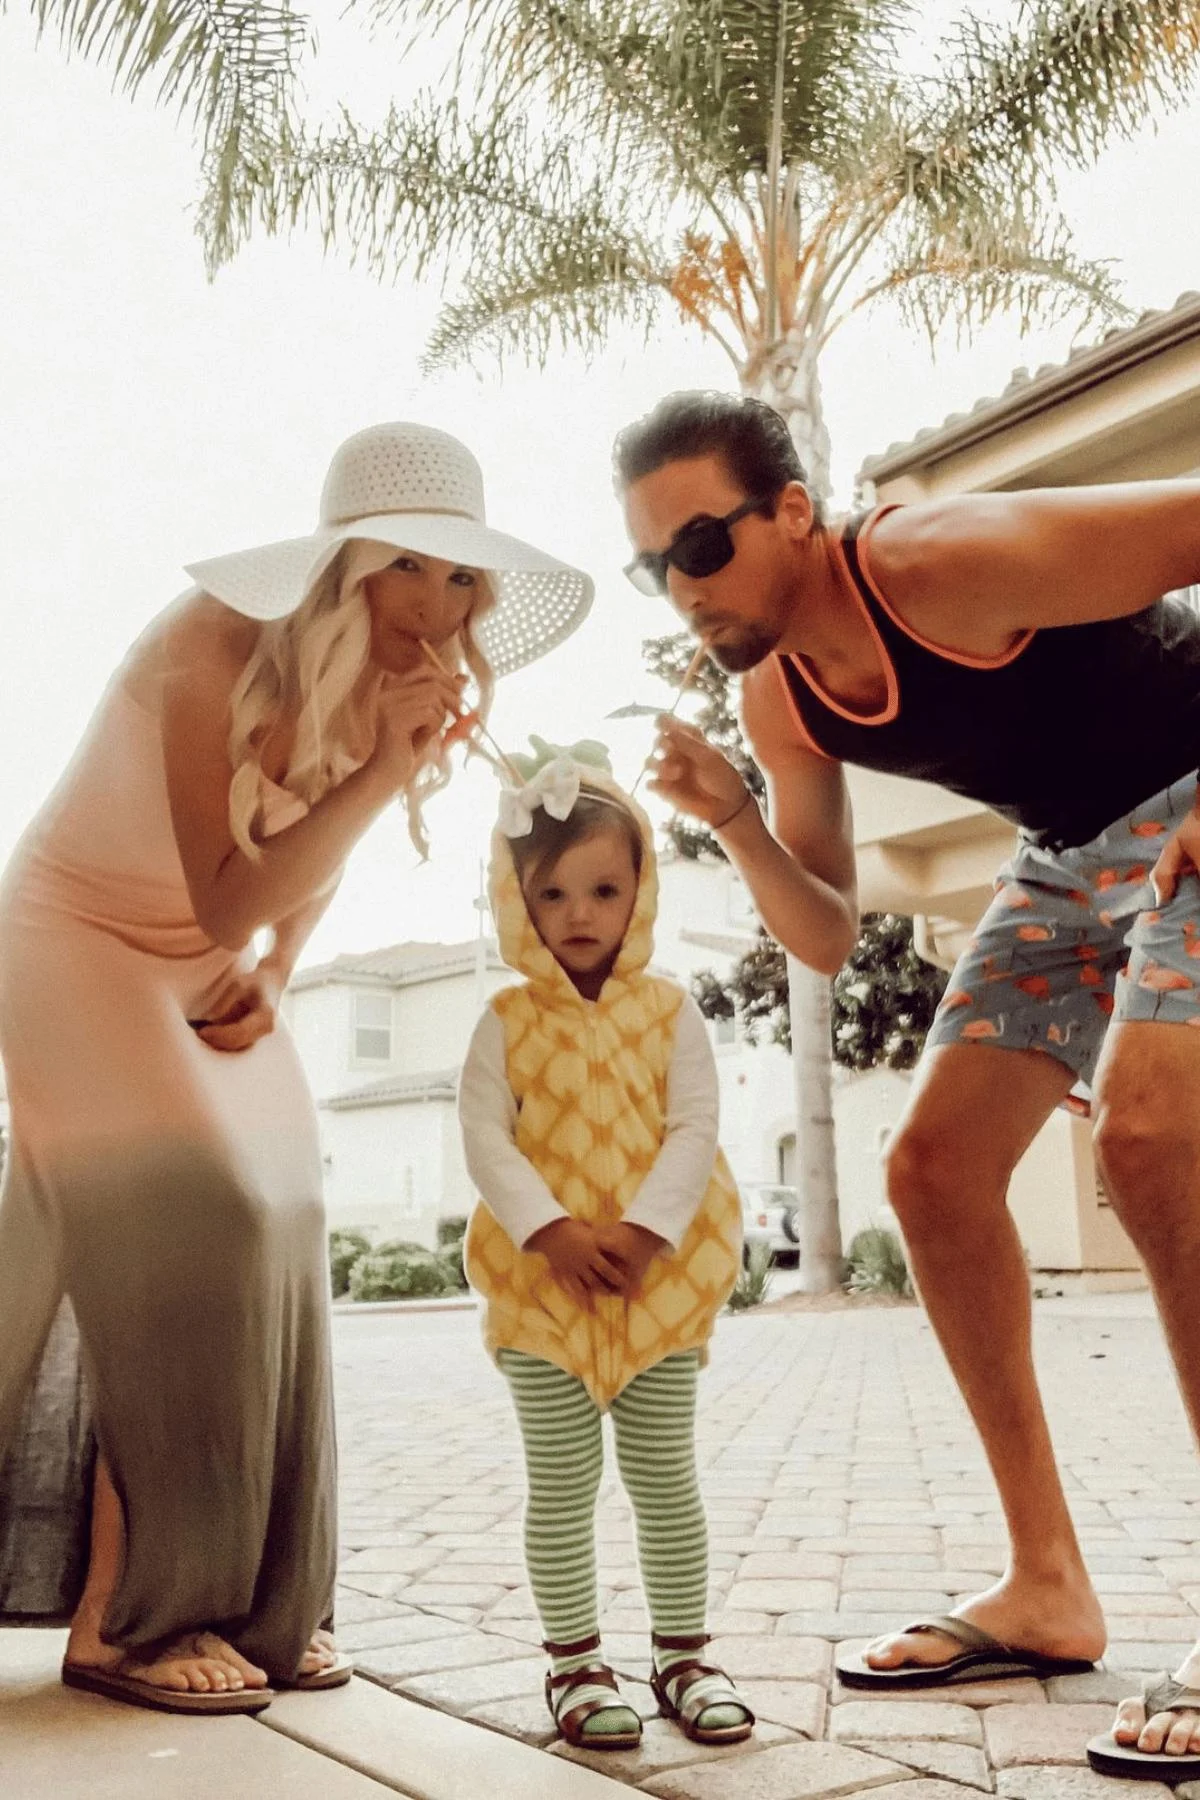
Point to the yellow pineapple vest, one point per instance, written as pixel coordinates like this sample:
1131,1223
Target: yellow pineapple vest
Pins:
590,1082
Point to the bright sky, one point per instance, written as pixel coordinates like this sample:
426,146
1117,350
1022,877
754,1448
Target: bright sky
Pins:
151,418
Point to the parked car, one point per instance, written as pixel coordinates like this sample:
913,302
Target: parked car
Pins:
769,1217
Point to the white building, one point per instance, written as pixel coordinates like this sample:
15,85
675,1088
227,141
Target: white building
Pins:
382,1036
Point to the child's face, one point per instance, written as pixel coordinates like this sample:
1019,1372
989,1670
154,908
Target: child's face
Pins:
582,906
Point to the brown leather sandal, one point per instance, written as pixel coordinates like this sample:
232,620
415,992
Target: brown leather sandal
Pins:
686,1672
572,1721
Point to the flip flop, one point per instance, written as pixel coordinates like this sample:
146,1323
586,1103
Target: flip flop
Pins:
1162,1693
113,1685
983,1658
336,1675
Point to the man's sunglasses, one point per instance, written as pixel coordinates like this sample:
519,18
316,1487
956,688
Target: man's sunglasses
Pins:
700,549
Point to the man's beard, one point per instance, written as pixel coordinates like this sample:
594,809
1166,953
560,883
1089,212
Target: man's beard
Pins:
745,651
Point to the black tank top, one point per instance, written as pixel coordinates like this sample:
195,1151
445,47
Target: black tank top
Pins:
1071,729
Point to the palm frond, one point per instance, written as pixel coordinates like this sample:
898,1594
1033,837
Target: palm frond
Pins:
422,187
568,297
1064,78
216,59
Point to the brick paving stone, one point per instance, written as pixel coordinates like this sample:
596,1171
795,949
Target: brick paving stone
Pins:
447,1593
397,1662
928,1598
783,1596
396,1628
850,1624
800,1705
1107,1685
1139,1655
390,1561
459,1690
664,1747
349,1607
1075,1784
956,1762
725,1621
773,1659
887,1573
793,1567
921,1789
526,1718
871,1722
1017,1735
801,1771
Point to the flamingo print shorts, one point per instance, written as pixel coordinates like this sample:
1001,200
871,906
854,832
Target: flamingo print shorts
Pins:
1074,938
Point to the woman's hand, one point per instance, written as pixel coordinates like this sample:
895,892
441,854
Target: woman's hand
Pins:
634,1247
695,778
578,1261
411,712
244,1010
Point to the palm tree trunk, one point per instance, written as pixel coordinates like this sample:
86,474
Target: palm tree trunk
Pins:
786,376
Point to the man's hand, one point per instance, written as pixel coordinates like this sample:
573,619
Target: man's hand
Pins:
578,1261
634,1247
1180,857
695,778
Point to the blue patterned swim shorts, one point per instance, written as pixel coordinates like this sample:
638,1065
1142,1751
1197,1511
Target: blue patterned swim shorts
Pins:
1073,938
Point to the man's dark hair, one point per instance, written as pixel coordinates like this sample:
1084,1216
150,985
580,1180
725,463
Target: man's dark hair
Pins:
749,436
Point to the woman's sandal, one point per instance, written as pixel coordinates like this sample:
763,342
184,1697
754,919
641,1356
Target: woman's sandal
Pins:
683,1677
571,1722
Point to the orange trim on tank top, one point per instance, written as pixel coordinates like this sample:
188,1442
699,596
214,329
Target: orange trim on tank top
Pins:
955,656
802,731
891,705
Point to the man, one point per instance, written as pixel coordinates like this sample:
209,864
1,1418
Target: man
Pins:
1011,647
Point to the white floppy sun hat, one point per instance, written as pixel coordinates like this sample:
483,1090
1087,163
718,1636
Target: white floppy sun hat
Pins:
419,489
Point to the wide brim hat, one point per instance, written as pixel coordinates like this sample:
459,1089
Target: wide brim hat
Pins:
414,488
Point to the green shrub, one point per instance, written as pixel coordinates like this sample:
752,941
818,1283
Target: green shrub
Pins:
346,1245
451,1231
752,1285
876,1264
399,1271
451,1259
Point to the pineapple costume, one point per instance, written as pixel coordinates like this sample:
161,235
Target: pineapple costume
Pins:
590,1083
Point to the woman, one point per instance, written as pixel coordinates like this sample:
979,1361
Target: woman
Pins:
164,1172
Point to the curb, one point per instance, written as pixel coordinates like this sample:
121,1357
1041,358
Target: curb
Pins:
467,1303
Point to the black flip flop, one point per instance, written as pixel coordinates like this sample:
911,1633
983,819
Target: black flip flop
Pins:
983,1658
1162,1693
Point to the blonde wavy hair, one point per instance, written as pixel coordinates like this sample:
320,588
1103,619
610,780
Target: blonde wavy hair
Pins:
309,663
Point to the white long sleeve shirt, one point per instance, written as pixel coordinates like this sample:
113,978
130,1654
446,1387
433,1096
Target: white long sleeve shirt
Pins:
670,1195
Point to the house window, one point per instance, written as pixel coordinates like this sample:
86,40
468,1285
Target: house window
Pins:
372,1028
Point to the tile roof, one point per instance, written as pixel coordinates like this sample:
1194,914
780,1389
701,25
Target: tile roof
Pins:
399,965
398,1090
1027,393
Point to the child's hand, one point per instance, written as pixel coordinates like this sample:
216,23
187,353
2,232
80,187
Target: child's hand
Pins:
577,1260
634,1247
1180,857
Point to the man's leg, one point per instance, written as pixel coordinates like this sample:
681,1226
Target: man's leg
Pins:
975,1111
1148,1147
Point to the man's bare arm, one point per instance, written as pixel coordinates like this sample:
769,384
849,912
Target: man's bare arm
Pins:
800,870
973,570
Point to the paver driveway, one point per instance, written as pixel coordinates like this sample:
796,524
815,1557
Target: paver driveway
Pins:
846,1494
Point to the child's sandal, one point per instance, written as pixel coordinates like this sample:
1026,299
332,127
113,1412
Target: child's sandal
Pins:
687,1707
573,1719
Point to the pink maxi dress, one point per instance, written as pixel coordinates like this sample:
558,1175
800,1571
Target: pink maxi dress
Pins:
164,1199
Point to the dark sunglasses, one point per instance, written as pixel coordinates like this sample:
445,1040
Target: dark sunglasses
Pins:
701,548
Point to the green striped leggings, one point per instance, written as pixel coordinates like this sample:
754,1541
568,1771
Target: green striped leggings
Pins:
654,1424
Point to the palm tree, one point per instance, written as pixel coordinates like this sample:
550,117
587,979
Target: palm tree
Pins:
762,169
